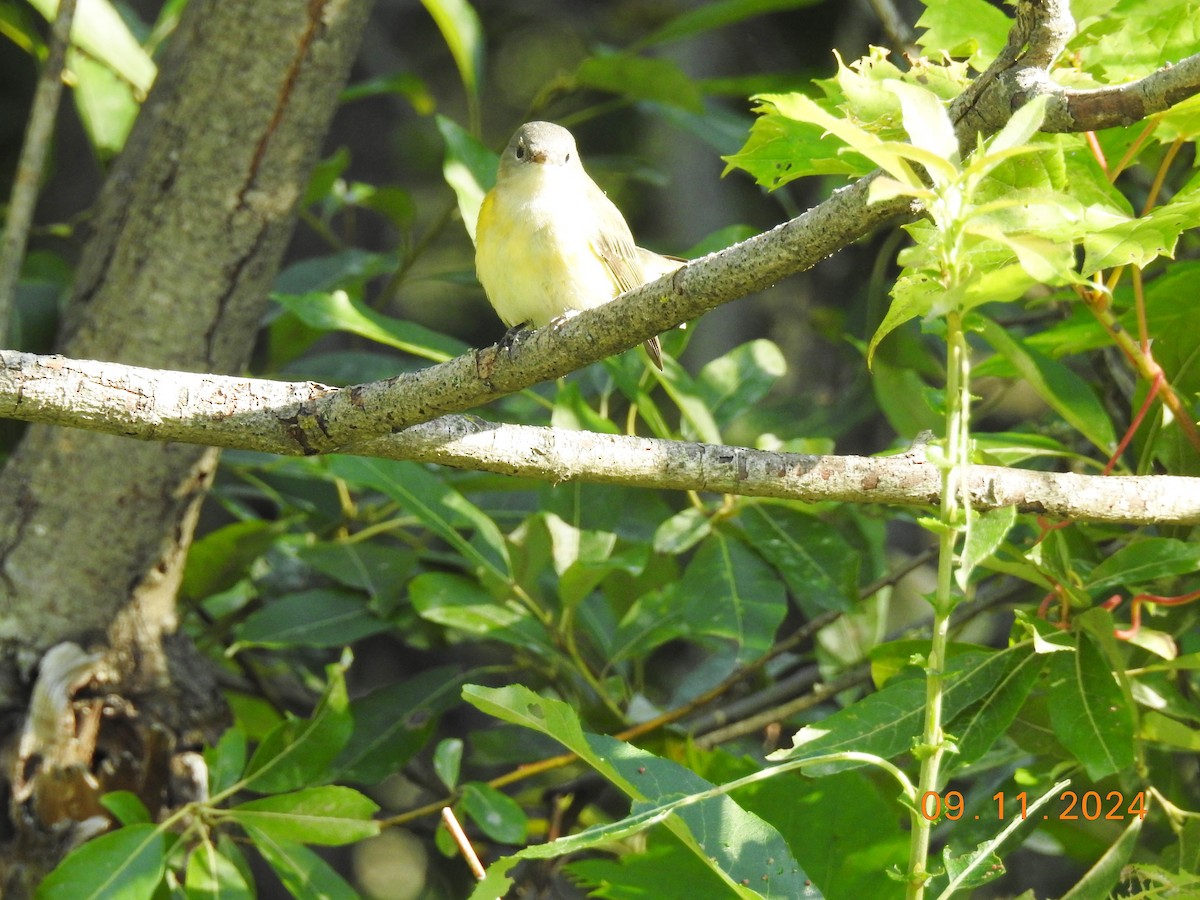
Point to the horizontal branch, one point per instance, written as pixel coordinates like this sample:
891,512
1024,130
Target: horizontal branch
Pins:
257,414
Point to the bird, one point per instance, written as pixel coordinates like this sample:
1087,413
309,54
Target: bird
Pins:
549,243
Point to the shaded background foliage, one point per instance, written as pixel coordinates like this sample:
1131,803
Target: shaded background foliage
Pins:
439,578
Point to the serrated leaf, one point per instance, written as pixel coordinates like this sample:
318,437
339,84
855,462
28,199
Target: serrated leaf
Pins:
966,28
328,815
126,863
1088,710
780,149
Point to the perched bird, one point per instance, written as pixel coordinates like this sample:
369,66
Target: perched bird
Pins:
549,243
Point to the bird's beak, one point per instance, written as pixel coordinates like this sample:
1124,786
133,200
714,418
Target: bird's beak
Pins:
538,156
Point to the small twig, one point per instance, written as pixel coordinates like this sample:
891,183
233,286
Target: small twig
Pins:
29,166
463,842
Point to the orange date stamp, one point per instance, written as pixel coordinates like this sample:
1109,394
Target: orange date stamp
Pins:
1089,805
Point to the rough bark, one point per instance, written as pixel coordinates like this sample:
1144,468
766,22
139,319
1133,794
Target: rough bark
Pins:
186,237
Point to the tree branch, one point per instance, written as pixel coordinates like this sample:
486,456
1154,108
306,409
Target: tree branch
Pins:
263,415
340,418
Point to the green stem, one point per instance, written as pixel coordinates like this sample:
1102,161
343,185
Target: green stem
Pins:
954,521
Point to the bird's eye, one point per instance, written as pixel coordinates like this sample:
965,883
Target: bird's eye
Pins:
520,151
568,158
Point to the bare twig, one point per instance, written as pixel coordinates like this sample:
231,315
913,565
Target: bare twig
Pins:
29,166
463,842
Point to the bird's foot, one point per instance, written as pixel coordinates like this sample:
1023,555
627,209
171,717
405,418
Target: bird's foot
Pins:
509,341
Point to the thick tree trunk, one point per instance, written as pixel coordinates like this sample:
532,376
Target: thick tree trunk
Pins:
187,236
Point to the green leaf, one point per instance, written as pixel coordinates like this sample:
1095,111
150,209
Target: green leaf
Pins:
328,815
469,168
733,383
739,846
728,592
928,125
651,621
463,34
682,531
1143,562
641,78
127,807
887,722
460,603
780,149
380,570
226,760
302,872
1102,878
818,564
1067,393
321,617
436,505
1132,39
126,863
107,104
393,723
719,14
1168,732
1089,712
447,761
217,561
979,727
297,752
985,865
407,85
101,33
665,868
985,534
842,827
964,28
336,311
212,876
498,815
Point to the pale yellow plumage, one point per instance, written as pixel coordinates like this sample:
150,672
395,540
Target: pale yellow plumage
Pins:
548,242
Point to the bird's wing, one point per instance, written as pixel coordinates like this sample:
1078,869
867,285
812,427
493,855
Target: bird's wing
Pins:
613,242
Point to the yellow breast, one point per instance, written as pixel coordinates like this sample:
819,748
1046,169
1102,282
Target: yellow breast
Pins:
534,253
